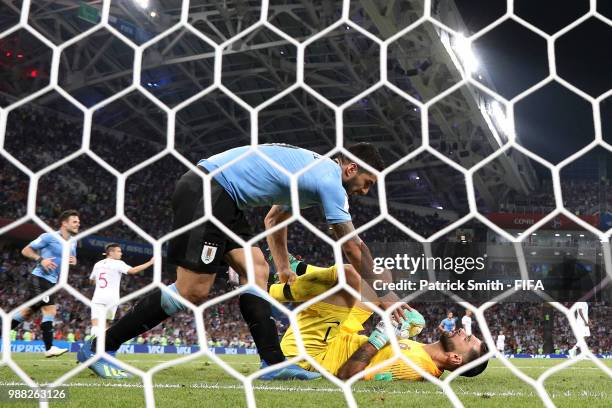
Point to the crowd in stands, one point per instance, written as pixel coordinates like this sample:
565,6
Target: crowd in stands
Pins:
85,185
523,326
540,201
580,196
425,225
13,190
38,138
584,197
522,323
89,188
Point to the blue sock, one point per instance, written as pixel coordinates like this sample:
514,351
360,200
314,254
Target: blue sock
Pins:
169,304
150,311
17,320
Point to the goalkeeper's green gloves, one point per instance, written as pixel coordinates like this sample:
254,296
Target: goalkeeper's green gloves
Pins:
410,325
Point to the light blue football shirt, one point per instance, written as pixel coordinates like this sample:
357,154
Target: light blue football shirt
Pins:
253,182
48,246
448,324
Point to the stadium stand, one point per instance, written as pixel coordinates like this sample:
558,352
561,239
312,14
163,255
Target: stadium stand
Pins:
147,196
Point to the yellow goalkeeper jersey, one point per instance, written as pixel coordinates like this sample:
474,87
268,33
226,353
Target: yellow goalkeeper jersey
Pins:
350,341
399,369
330,336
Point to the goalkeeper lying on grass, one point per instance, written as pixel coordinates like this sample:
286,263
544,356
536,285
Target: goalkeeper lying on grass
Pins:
330,330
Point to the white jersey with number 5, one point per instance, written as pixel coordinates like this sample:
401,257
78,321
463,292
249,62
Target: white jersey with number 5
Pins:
107,274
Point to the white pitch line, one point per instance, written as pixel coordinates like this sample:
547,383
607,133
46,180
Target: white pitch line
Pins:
235,363
545,367
52,362
564,394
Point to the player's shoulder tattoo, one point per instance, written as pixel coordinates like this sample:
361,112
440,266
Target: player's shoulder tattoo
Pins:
362,354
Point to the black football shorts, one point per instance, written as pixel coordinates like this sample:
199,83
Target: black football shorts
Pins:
36,286
202,249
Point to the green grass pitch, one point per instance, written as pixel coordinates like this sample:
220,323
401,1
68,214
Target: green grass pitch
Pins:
201,383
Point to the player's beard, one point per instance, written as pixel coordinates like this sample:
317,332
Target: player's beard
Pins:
349,186
445,341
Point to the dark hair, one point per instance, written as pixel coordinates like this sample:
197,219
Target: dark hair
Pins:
473,355
110,246
365,152
67,214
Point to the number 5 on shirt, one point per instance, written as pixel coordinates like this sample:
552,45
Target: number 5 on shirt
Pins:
101,278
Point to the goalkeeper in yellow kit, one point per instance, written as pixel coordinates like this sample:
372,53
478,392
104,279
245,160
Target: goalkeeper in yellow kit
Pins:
330,332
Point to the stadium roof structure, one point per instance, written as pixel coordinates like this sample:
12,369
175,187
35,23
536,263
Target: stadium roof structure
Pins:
257,66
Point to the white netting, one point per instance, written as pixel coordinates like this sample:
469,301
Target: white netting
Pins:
462,66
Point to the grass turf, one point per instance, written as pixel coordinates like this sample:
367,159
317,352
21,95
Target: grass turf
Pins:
201,382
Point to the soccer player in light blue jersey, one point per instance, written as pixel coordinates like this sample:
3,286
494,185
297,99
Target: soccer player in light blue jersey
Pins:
447,325
46,251
205,250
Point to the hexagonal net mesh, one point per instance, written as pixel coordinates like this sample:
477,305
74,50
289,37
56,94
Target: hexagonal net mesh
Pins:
497,112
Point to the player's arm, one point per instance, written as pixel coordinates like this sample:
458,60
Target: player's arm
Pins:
335,206
355,250
358,255
141,268
378,339
358,361
30,252
440,327
277,242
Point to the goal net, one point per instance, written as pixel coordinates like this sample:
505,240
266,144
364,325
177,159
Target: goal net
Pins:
104,104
